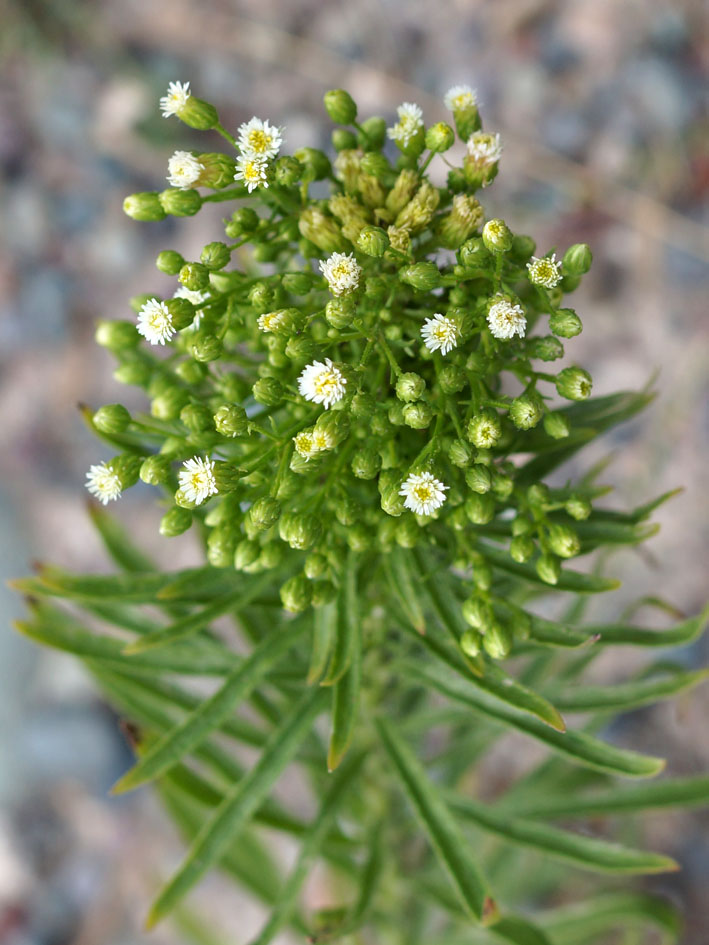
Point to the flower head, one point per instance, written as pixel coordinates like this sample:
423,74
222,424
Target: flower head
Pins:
485,149
459,97
342,273
103,482
322,382
506,320
178,93
251,168
545,271
196,479
272,321
183,169
423,493
409,123
259,139
440,333
155,322
312,441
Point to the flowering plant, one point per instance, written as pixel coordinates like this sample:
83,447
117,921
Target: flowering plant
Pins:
352,403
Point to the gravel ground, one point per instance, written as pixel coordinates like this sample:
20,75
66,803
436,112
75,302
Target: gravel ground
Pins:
601,112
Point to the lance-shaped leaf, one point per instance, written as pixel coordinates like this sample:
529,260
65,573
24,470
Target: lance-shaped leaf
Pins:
117,542
584,852
440,827
403,583
345,705
578,746
324,634
575,581
239,805
628,695
585,921
347,628
682,633
210,713
519,931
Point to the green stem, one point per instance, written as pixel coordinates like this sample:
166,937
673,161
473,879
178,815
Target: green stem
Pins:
225,134
396,370
235,193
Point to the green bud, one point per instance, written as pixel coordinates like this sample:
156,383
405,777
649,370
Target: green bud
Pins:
522,249
343,139
180,203
407,533
117,335
485,429
482,575
563,540
170,262
134,373
548,568
262,515
271,555
231,420
167,406
574,383
497,236
300,530
111,419
359,537
480,509
220,545
227,476
439,137
410,386
521,525
577,507
317,163
418,415
477,613
565,323
456,180
296,594
197,418
205,347
502,485
247,553
478,478
144,207
452,379
459,453
526,411
521,548
395,414
182,312
391,502
175,522
471,643
315,566
218,170
346,510
363,405
334,424
198,114
366,463
340,106
288,171
372,240
340,312
538,495
262,295
577,259
323,593
298,283
373,133
194,276
214,256
497,641
191,372
300,349
374,164
155,470
244,221
322,230
556,425
546,348
423,276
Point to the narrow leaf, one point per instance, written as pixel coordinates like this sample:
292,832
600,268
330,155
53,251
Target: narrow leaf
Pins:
117,541
575,581
324,632
598,915
625,696
345,705
519,931
397,569
682,633
347,624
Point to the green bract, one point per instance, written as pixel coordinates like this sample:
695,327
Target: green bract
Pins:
327,413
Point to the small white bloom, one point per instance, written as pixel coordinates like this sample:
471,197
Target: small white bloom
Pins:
259,139
271,321
155,322
252,170
310,442
440,333
183,169
342,272
545,271
506,320
410,121
322,382
459,97
196,479
321,440
178,94
485,149
423,493
104,483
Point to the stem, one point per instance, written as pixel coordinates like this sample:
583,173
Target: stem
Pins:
390,357
225,134
236,193
425,164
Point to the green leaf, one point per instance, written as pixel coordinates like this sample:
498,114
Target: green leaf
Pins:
324,632
575,581
682,633
519,931
401,580
239,805
440,827
583,922
210,713
347,624
579,747
556,634
345,705
139,588
117,542
584,852
625,696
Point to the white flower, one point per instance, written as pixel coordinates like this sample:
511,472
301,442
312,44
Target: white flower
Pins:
183,169
322,382
440,333
321,440
271,321
410,121
310,442
485,149
155,322
178,94
196,298
196,479
545,271
423,493
252,170
104,483
459,97
342,272
506,320
259,139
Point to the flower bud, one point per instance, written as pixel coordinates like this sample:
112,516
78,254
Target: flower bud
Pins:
363,405
170,262
439,137
452,379
485,429
298,283
372,134
198,114
144,207
480,509
502,485
391,502
246,554
546,348
403,190
340,106
366,463
538,495
339,312
482,575
574,383
111,419
191,372
577,259
521,548
180,203
359,537
372,240
521,525
577,507
155,470
471,644
464,218
231,420
477,613
346,510
271,556
244,221
300,530
478,478
556,425
315,566
526,411
117,335
220,546
134,373
316,163
168,404
374,164
459,453
175,522
323,593
423,276
296,594
497,641
565,323
522,248
288,171
410,386
214,256
217,170
407,533
205,347
417,415
343,139
197,418
548,568
300,349
194,276
322,230
262,515
497,236
563,540
418,212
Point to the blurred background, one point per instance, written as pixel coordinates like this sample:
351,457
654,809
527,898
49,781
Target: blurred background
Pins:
602,110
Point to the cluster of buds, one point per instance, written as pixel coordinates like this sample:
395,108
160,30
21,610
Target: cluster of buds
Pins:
341,387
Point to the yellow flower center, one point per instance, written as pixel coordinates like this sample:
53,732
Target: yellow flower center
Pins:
259,141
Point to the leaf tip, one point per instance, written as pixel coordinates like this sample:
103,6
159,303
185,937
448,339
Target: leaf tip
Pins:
490,913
